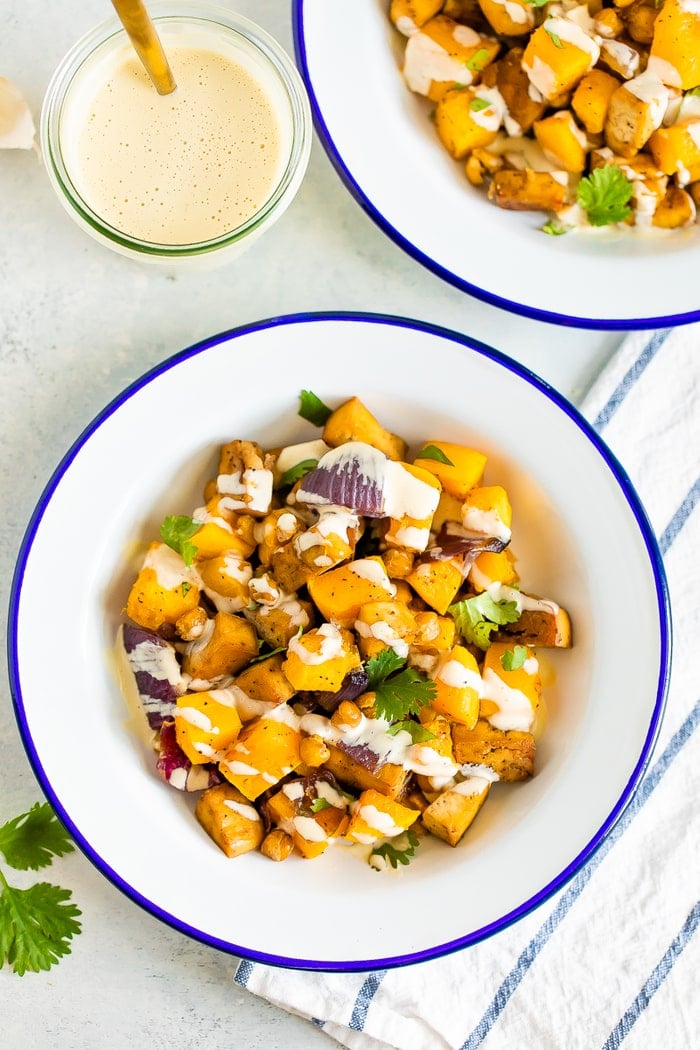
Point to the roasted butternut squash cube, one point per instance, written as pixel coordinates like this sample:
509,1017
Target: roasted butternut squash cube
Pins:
229,819
341,592
434,634
515,18
227,644
487,511
675,49
409,15
544,625
267,749
412,532
466,119
353,421
557,55
676,150
525,106
562,141
528,190
321,658
163,591
277,624
509,753
448,509
591,98
206,724
463,471
436,581
388,778
510,699
459,686
443,54
222,531
266,681
675,210
632,119
454,810
382,624
377,817
493,567
225,579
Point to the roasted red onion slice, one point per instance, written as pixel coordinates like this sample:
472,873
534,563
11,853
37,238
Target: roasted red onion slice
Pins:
453,541
175,767
353,685
351,476
154,664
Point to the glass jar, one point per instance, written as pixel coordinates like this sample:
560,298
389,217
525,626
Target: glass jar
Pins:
88,183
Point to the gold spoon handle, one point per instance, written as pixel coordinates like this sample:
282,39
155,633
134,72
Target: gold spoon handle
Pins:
143,35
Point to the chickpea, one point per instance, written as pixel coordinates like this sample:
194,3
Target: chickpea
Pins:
347,715
277,845
191,624
313,751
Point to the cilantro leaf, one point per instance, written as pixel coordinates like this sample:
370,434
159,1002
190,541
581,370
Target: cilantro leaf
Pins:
34,838
605,195
312,409
397,695
176,531
476,618
514,659
432,451
418,733
299,470
555,228
477,104
554,37
381,666
36,926
394,854
319,804
478,60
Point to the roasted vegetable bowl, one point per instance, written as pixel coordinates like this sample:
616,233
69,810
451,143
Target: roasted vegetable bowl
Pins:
581,539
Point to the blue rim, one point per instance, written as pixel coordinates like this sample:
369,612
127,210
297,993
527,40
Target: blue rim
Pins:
663,607
551,317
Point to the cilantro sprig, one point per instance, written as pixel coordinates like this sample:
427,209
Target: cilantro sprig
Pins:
176,531
605,195
477,618
399,691
312,409
418,733
394,853
36,924
478,60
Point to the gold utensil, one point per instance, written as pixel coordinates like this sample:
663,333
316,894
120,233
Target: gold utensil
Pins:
142,33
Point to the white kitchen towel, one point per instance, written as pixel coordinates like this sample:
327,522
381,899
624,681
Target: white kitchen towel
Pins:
611,957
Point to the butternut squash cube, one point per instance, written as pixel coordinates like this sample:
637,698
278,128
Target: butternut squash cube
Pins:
436,581
512,81
228,817
493,567
562,141
510,699
459,686
265,681
509,753
267,749
465,119
341,592
206,724
321,658
455,809
515,18
377,817
414,532
163,591
486,510
557,55
463,472
227,644
409,15
353,421
434,634
591,99
222,530
676,150
631,120
225,579
529,190
675,49
444,53
387,778
382,624
675,210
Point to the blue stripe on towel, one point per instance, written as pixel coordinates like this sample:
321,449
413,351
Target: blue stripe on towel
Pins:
364,999
680,517
654,981
244,972
630,378
569,897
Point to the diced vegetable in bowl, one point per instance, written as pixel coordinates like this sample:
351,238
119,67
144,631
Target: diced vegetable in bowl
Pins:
335,647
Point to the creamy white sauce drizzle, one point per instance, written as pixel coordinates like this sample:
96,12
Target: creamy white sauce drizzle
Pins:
247,812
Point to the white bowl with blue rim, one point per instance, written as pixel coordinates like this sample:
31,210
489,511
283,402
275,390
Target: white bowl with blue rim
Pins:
581,537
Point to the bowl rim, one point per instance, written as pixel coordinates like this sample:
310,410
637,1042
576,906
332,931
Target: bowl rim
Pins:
403,242
662,605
